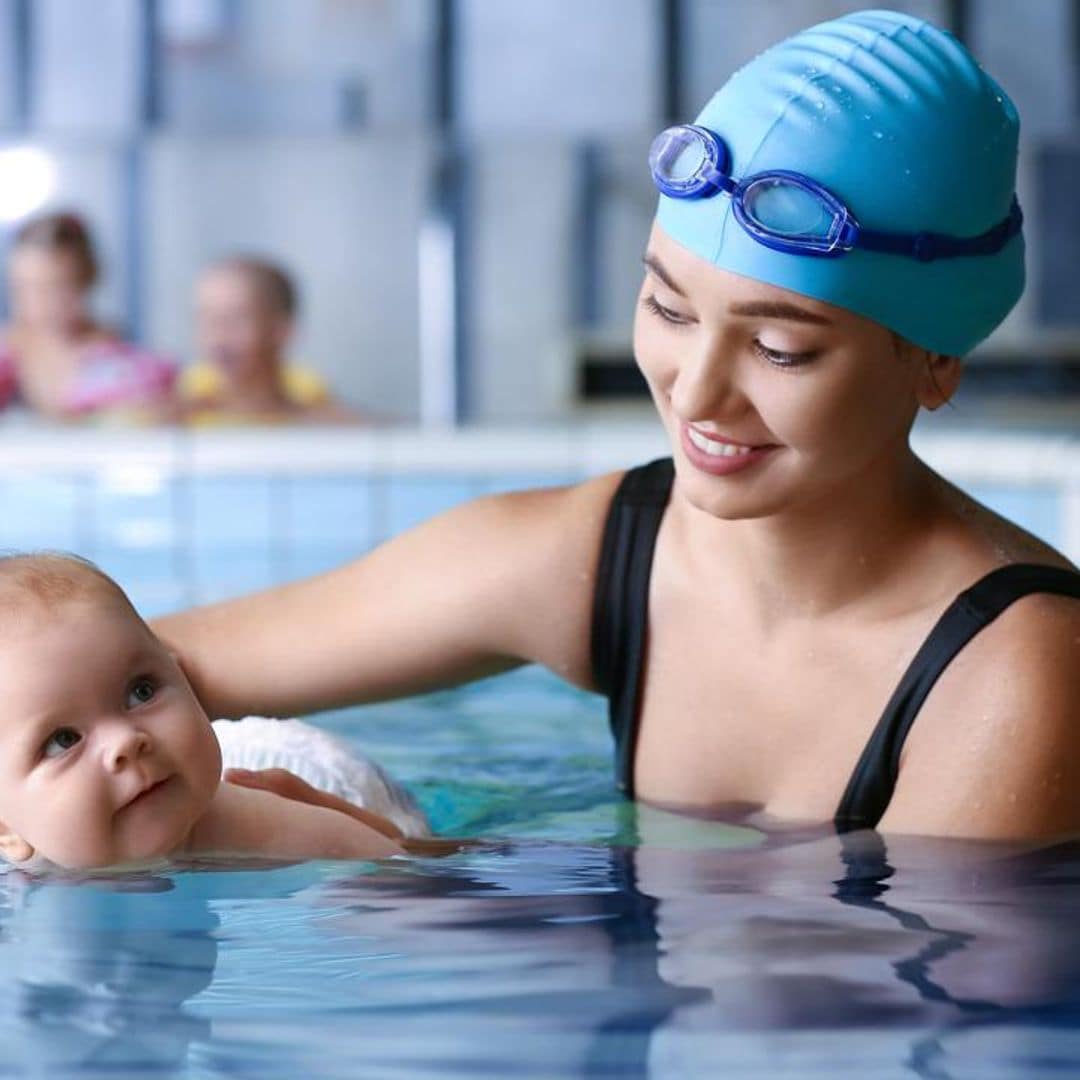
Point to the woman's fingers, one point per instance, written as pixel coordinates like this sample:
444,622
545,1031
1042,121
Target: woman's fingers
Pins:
289,786
279,782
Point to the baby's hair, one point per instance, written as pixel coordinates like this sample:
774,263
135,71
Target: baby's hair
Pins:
62,233
275,286
53,578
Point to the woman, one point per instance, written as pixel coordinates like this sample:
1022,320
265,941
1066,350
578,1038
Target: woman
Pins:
55,357
750,606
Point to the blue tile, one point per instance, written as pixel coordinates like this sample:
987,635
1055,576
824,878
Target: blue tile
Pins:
310,560
410,500
235,511
153,598
232,571
525,481
331,512
126,519
137,564
45,512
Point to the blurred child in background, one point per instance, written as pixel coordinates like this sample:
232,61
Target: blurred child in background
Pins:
56,358
246,311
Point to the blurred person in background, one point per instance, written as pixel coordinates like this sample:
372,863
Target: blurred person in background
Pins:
245,310
56,358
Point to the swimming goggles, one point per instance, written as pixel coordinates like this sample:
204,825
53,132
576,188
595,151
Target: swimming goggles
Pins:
790,212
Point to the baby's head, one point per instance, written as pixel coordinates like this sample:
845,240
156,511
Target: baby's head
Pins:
106,755
245,310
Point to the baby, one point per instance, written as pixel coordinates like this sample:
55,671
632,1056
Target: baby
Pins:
106,756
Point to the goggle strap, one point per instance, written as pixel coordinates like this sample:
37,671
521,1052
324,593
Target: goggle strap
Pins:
928,246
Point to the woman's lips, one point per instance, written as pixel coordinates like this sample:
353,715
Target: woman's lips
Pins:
719,456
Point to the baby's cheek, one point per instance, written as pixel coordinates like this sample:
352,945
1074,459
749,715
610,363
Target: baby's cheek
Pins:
77,845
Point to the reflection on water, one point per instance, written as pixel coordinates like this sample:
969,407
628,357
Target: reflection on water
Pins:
750,956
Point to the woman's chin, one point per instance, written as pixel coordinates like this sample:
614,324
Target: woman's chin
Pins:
718,497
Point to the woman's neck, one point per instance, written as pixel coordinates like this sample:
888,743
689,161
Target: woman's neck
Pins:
818,557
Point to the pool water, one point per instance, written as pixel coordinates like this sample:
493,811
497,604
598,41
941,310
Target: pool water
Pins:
585,937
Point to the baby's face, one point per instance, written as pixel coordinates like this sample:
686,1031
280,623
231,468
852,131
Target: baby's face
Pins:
106,756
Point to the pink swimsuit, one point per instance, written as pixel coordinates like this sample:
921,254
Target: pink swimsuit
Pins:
110,373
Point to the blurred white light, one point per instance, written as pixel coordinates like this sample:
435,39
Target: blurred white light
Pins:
27,179
133,479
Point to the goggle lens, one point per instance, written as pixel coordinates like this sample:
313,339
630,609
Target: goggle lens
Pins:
679,156
783,208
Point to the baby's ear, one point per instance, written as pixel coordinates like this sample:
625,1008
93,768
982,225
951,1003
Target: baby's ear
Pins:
13,847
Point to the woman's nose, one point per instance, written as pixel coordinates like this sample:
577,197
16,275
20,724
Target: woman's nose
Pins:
705,385
124,746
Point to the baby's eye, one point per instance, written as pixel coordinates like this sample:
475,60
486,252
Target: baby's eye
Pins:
60,741
141,691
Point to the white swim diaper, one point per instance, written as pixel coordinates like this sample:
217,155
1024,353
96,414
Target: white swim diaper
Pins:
324,761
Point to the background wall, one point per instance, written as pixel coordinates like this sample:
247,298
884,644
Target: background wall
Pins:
325,133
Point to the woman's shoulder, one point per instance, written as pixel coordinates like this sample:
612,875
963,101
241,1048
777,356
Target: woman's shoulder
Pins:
996,750
989,537
992,558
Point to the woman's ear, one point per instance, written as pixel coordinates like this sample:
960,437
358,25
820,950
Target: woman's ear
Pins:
13,847
938,379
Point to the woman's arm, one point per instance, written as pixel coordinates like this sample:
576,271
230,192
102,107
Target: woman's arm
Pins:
500,581
995,752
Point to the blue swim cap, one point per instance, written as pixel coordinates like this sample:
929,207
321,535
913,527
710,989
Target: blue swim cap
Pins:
896,118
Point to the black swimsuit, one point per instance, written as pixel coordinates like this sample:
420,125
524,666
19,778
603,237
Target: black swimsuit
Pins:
620,616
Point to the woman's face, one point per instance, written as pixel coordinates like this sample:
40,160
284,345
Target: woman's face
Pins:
772,401
47,290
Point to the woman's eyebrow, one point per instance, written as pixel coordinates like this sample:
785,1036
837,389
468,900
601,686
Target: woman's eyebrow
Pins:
760,309
653,263
777,309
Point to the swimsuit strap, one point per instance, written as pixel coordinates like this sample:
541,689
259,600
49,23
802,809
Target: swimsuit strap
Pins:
872,783
621,602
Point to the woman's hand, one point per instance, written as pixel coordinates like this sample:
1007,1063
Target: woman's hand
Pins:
289,786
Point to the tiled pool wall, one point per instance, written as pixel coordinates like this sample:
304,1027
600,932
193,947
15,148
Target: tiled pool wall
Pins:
183,519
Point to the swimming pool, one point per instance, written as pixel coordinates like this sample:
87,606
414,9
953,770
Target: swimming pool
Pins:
588,937
593,940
